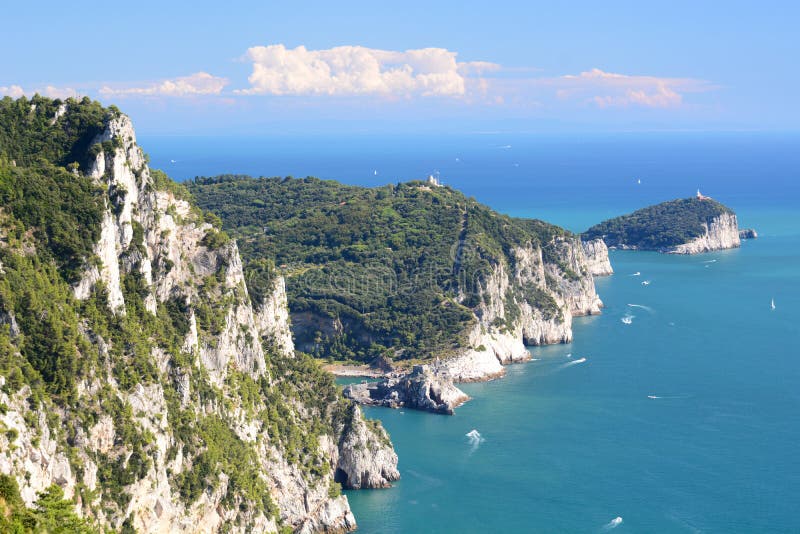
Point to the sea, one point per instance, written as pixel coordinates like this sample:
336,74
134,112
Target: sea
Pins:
676,410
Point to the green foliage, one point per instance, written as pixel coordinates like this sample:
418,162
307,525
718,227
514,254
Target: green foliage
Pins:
661,226
395,266
52,513
260,277
61,210
45,312
28,133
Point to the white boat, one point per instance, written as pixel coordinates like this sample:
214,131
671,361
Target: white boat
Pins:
772,304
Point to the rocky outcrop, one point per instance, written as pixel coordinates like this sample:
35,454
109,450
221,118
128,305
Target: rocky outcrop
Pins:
748,233
272,318
366,456
421,389
721,233
597,260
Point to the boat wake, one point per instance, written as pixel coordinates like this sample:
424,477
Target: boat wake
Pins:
637,273
642,306
646,282
628,319
475,440
614,523
573,362
710,261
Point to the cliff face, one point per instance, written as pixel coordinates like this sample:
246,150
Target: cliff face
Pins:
597,260
210,432
531,302
721,233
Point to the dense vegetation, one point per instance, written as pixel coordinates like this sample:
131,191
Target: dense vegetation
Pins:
659,227
370,269
29,135
52,512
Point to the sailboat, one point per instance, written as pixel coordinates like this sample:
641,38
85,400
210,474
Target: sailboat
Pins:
772,304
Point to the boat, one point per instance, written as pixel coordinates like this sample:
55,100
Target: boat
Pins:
772,304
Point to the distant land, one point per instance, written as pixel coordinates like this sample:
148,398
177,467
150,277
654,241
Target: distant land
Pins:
683,226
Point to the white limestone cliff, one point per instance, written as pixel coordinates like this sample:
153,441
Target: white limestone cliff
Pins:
721,233
566,290
596,253
153,233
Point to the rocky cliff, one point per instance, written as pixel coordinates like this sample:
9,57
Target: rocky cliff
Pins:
597,257
531,301
183,409
720,233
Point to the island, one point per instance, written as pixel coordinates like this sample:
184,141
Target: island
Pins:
682,226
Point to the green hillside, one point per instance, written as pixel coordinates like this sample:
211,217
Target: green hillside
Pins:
393,266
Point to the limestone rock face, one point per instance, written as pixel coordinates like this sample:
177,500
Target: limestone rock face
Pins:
596,253
272,318
721,233
148,232
366,456
421,389
533,301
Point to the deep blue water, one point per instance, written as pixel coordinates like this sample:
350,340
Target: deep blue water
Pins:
569,447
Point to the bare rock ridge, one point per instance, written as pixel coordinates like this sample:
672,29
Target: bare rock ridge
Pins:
151,234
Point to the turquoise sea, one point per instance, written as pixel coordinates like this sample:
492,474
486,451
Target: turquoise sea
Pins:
685,420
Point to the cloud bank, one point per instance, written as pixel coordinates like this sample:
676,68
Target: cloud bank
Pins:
197,84
357,70
16,91
607,89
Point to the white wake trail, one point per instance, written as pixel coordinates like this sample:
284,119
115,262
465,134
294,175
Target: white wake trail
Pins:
614,523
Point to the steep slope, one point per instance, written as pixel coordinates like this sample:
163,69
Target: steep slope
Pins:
136,373
408,273
683,226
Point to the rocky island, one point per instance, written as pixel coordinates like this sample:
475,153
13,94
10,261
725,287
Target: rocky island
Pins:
684,226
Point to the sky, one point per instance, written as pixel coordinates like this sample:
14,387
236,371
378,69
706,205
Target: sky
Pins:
438,66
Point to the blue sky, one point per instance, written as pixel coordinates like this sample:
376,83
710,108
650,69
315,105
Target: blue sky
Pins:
401,66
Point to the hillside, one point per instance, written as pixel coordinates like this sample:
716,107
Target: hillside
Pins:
686,225
410,271
140,384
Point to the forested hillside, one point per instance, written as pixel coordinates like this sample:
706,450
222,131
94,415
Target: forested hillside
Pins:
396,270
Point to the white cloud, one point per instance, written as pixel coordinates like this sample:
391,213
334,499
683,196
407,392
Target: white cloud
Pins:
357,70
16,91
197,84
608,89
